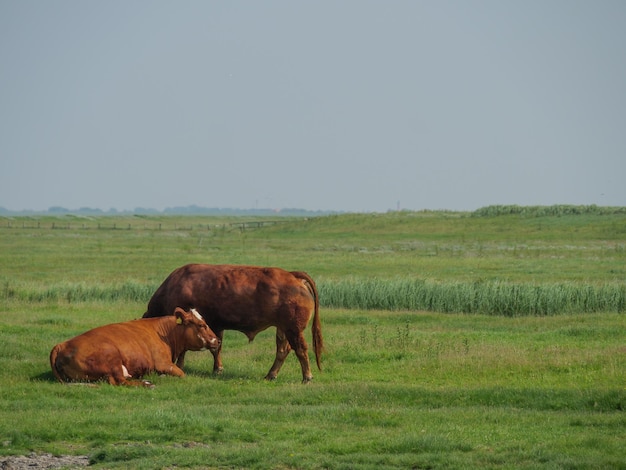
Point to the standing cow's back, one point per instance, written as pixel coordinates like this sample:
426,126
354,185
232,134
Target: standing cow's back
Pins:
243,298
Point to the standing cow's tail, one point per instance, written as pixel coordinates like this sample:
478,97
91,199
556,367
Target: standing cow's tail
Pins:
318,342
53,363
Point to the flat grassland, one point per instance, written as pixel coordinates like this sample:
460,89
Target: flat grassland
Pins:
542,386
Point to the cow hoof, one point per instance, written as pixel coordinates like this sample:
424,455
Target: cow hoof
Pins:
307,380
270,378
218,371
147,384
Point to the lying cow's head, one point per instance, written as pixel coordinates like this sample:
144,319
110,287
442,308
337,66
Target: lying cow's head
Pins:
197,335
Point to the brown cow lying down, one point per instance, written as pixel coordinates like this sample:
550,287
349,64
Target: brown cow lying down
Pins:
121,351
247,299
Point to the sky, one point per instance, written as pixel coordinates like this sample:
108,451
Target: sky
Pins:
351,105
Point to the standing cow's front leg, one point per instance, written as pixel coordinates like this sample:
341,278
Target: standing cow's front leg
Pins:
282,350
218,368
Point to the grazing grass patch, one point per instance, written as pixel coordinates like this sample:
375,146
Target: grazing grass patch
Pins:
399,389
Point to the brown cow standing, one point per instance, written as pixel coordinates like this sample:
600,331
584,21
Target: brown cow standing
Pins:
132,349
247,299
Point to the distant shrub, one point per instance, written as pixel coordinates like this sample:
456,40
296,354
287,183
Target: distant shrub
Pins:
544,211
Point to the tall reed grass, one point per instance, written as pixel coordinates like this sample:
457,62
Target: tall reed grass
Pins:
130,291
488,297
483,297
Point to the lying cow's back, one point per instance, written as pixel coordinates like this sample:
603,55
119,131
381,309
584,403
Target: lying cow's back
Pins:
244,298
132,344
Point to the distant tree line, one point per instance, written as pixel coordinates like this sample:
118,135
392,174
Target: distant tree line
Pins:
179,210
488,211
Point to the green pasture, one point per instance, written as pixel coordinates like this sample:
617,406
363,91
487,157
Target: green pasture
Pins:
404,385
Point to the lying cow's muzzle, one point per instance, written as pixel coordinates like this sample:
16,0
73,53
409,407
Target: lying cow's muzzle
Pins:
213,344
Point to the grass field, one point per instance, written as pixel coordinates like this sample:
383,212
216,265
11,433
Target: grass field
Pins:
401,387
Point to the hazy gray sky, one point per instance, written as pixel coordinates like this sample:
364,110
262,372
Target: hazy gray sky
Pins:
341,105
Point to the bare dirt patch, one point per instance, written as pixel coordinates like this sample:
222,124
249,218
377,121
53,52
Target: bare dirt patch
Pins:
35,461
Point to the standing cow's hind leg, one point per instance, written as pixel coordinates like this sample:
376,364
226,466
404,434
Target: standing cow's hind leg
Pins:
282,350
298,343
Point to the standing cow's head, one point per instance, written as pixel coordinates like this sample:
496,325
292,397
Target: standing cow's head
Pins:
197,335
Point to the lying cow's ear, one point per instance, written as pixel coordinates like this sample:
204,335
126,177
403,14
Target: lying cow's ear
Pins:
180,314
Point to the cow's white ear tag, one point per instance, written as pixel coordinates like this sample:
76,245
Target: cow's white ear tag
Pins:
179,321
